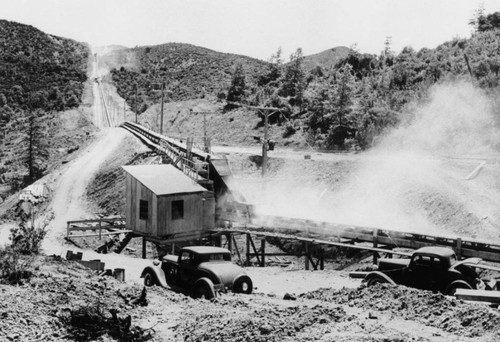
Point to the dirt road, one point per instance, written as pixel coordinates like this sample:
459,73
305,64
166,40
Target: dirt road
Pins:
69,202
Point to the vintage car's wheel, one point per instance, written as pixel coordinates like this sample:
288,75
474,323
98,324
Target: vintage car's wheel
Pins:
376,280
149,279
450,291
243,285
204,289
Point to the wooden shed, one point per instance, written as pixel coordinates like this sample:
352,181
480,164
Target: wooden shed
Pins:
162,202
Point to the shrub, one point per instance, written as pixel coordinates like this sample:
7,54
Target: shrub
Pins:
13,266
26,239
289,130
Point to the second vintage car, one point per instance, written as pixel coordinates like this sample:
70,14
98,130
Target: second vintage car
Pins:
430,268
200,271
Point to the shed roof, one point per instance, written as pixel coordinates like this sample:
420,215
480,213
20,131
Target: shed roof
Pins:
163,179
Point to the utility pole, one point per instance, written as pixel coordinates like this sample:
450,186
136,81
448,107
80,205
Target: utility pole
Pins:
205,142
135,103
162,99
264,146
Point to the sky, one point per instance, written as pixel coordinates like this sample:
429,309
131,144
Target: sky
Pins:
255,28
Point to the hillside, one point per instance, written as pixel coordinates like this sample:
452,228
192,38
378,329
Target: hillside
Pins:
189,72
38,70
42,82
326,59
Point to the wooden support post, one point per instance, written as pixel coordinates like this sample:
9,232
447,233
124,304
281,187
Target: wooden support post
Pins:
144,247
254,249
229,239
459,248
306,255
67,230
375,245
321,259
248,248
237,249
263,252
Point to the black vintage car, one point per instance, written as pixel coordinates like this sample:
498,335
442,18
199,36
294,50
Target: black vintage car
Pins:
200,271
430,268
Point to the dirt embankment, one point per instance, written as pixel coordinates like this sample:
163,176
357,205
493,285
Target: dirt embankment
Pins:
65,301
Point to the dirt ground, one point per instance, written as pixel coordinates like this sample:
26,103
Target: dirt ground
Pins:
65,301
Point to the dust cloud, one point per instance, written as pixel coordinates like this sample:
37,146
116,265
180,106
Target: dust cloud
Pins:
413,180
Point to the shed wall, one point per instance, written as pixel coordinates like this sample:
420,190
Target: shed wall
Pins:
193,214
136,192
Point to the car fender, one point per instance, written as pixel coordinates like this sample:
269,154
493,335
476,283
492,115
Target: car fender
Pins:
463,283
158,272
377,274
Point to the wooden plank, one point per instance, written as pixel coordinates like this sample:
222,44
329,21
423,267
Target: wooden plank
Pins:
72,228
103,233
128,200
154,216
96,220
320,242
276,254
478,295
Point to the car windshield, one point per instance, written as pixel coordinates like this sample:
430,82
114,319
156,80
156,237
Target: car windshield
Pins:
218,257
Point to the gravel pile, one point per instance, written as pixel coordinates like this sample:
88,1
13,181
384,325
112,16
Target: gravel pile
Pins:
450,315
241,320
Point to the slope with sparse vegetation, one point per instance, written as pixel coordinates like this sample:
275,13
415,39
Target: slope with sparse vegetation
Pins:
189,72
41,76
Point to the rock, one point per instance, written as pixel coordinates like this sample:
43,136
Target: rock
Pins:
290,296
371,315
265,329
323,320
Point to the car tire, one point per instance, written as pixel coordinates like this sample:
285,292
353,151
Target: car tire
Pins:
149,279
243,285
450,291
376,280
204,289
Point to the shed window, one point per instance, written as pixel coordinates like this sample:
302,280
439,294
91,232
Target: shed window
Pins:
177,210
143,210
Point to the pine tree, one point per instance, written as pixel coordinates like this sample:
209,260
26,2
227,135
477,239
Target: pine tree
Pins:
34,147
294,80
236,92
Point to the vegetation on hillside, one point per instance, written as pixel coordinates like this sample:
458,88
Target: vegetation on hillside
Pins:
39,71
332,98
40,74
189,72
363,95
